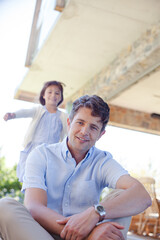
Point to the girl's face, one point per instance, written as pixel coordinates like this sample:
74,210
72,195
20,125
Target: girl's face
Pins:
52,95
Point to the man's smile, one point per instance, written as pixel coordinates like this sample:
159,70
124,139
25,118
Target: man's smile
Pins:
82,139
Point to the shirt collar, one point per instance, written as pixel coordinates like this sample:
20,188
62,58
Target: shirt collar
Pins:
65,149
66,152
44,106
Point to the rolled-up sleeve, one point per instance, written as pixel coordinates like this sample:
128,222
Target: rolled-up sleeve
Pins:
111,171
35,169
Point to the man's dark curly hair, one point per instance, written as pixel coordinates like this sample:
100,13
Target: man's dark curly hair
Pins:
96,104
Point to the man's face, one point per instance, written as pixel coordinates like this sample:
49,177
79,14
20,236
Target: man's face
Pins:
83,132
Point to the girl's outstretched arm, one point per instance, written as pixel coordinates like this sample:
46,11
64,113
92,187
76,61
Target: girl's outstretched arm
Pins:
9,116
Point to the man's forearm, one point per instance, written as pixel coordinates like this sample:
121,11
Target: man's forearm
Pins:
79,225
47,218
107,230
128,202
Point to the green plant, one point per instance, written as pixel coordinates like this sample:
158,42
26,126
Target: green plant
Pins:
9,184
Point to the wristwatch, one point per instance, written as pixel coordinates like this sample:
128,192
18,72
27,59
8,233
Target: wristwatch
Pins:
101,211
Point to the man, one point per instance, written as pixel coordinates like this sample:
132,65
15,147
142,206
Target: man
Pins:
63,183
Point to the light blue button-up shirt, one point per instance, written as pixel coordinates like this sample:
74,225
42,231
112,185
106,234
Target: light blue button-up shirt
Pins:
70,188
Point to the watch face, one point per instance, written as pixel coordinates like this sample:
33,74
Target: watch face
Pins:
101,211
100,208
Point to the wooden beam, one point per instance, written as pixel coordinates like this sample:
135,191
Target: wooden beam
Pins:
34,36
60,4
129,66
26,96
131,119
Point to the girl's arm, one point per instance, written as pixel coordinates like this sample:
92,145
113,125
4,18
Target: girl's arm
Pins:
9,116
23,113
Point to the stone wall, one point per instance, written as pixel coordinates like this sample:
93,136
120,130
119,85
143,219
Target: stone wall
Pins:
132,64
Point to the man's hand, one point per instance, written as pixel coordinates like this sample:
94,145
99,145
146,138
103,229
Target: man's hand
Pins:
106,231
79,225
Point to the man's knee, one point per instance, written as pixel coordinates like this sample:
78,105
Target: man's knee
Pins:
5,206
124,221
7,209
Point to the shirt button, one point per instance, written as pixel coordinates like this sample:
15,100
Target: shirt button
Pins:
66,204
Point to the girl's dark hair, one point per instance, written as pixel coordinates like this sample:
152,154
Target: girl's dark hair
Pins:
98,107
46,85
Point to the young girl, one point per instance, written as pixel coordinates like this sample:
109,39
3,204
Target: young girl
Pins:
48,125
